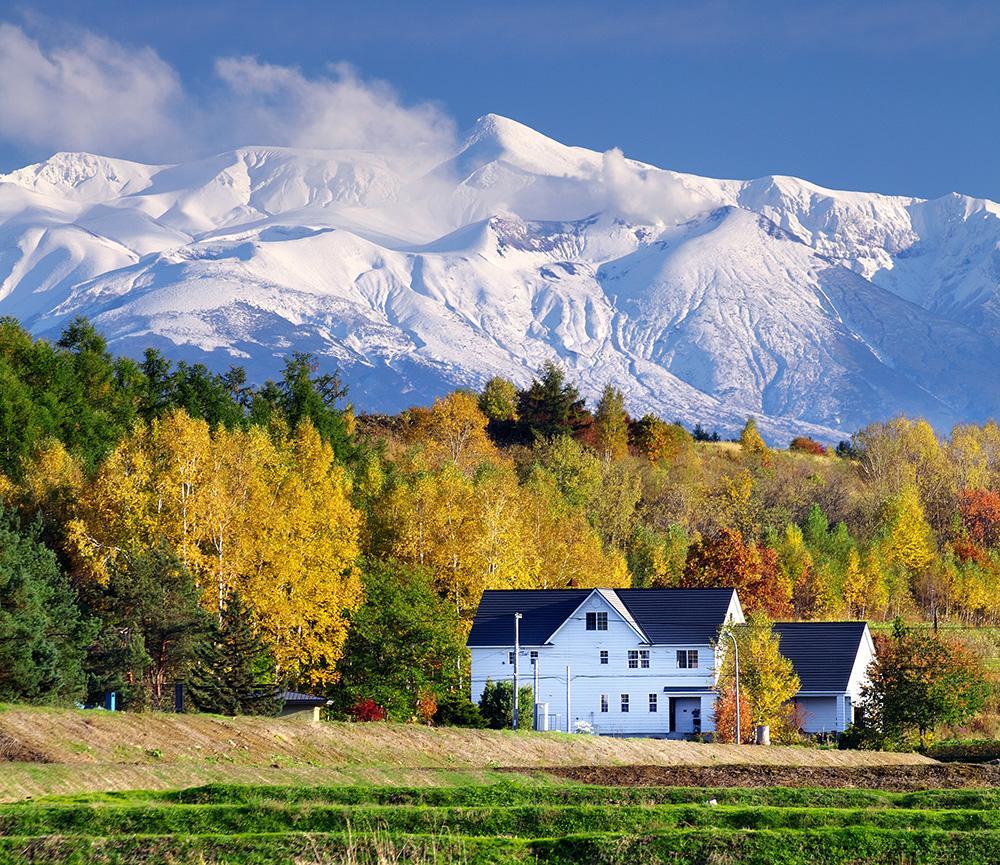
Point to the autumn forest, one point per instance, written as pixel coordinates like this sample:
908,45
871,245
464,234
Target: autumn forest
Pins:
162,523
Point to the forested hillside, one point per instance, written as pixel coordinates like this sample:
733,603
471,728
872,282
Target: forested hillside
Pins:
164,523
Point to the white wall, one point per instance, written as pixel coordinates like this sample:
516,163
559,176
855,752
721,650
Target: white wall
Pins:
819,714
859,675
574,645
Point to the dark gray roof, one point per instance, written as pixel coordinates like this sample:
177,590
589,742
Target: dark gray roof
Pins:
666,615
294,698
823,653
678,616
543,611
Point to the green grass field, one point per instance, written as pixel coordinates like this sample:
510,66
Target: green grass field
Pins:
98,787
512,821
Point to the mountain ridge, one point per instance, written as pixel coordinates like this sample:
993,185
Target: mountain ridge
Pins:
705,300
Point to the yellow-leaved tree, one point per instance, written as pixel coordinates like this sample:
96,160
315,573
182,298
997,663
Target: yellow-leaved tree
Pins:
302,576
456,432
908,539
267,518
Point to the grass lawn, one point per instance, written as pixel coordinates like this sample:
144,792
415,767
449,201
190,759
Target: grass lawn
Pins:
509,821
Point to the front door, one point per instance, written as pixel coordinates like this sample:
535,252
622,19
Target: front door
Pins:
685,715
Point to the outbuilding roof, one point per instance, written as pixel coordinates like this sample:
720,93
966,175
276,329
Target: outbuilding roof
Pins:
822,653
292,699
665,616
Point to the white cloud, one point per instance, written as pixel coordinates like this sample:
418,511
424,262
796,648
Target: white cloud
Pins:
280,105
101,96
94,95
647,195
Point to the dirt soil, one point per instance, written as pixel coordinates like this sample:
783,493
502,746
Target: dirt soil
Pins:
894,778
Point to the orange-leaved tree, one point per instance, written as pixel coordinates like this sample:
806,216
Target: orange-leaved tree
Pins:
724,560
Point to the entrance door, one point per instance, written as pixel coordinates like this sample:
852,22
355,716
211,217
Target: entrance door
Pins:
686,715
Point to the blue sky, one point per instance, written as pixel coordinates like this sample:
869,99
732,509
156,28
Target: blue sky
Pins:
898,97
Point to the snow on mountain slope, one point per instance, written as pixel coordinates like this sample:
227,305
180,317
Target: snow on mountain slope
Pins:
704,300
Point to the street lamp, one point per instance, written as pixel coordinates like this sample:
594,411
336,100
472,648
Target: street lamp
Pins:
736,656
517,660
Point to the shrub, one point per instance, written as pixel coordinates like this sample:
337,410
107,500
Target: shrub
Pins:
427,707
497,706
806,445
455,709
368,710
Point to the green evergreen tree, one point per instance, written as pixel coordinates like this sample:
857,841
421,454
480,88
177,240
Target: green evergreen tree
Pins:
405,641
152,626
301,395
611,424
43,635
551,406
235,672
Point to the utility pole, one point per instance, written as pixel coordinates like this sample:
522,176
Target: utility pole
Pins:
535,698
517,662
569,722
736,656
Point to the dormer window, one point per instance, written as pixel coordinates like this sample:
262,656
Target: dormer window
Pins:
597,621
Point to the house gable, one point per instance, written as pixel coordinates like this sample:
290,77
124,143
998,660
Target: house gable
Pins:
859,673
599,600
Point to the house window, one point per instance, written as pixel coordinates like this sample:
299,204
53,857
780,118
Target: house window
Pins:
652,702
534,658
510,658
687,659
597,621
604,702
624,702
638,658
604,657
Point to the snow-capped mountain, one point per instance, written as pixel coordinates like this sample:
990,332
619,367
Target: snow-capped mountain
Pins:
703,300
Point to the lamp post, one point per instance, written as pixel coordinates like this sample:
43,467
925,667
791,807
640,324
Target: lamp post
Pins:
736,656
517,660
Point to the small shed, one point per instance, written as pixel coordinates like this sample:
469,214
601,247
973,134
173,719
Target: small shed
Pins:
304,707
831,660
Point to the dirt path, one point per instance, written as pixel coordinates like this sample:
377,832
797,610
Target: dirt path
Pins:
895,778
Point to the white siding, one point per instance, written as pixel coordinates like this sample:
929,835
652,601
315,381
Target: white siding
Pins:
819,714
579,648
859,675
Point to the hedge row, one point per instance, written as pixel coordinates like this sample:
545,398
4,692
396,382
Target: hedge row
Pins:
845,846
502,795
523,821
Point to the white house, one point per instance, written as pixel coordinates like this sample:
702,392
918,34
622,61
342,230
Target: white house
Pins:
641,662
831,660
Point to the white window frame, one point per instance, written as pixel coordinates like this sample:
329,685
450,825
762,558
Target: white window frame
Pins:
653,703
533,656
510,658
599,618
685,658
624,704
605,704
603,657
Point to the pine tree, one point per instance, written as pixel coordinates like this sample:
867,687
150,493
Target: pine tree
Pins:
552,406
235,671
